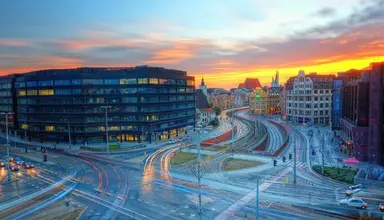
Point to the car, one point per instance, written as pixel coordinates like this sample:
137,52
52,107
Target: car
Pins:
356,187
179,139
354,202
351,192
3,164
187,138
14,168
29,166
171,141
381,207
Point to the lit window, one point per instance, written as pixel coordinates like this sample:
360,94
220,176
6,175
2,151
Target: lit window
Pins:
128,81
190,82
31,92
49,128
101,128
100,100
22,93
143,81
46,92
114,128
24,126
153,81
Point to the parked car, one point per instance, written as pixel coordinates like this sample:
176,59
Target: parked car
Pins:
352,192
356,187
29,166
171,141
14,168
354,202
381,207
3,164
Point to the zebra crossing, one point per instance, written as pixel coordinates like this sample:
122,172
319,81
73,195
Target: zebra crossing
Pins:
298,164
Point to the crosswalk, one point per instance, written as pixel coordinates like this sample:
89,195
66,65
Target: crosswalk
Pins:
298,164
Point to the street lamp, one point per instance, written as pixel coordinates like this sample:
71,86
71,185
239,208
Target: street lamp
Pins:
69,133
7,141
106,107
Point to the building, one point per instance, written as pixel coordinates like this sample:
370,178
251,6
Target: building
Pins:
206,115
203,87
273,99
142,103
258,101
250,83
201,99
362,114
7,102
275,81
309,98
222,101
240,97
337,99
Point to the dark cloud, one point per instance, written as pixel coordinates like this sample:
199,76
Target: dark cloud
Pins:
326,12
370,11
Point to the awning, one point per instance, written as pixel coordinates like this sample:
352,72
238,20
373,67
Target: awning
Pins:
351,160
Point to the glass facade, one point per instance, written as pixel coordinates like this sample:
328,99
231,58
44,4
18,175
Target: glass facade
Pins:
144,102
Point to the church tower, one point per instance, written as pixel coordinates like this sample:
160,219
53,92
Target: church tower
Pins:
203,87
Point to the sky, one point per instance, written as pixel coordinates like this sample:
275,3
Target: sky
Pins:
223,40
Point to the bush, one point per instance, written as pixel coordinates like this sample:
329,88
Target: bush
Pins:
340,174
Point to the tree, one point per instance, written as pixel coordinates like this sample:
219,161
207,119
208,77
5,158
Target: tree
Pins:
217,110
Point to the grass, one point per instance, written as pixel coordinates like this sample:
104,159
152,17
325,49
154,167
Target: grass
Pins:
237,164
182,157
345,175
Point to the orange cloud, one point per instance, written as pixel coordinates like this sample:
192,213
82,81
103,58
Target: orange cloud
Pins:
181,50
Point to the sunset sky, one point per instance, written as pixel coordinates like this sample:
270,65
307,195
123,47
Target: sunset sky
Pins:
225,40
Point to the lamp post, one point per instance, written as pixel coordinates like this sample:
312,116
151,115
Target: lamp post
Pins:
69,133
106,107
7,141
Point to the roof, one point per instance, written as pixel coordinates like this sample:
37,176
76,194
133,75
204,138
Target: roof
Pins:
210,110
250,83
201,100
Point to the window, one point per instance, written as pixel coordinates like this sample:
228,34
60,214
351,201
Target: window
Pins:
49,128
181,89
31,92
62,92
100,100
24,126
111,81
321,105
92,81
315,112
315,105
321,112
62,82
46,92
153,81
326,112
45,83
31,84
77,92
321,91
143,80
21,93
327,91
20,85
76,81
131,109
128,90
315,91
190,83
180,82
129,100
189,90
128,81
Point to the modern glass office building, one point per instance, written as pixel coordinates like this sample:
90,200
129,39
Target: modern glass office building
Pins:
7,101
141,103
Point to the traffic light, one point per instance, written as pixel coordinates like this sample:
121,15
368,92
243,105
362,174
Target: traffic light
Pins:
290,156
313,152
284,159
274,163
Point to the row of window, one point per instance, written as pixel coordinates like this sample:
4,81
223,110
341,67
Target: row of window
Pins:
315,91
308,113
130,81
103,100
315,105
6,108
6,86
5,101
5,93
308,98
46,92
101,128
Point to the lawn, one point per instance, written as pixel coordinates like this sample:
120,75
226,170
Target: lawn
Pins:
345,175
237,164
183,157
